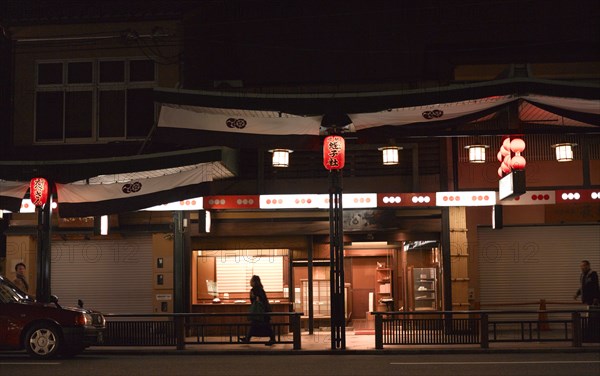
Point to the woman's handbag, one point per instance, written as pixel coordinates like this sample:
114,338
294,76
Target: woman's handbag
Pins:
257,311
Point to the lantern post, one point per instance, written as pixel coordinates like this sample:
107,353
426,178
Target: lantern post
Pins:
41,194
334,155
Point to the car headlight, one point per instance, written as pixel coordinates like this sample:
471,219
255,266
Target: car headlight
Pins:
100,320
83,319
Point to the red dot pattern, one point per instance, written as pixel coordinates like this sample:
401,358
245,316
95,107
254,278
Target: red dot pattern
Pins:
540,197
451,198
187,203
303,201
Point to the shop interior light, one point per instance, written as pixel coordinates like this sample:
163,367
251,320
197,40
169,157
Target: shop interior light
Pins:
281,157
390,155
204,221
476,153
104,225
564,151
369,244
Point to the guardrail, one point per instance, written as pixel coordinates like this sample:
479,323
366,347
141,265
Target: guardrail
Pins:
542,306
179,329
482,327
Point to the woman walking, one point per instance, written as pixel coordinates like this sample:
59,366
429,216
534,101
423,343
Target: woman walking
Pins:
260,322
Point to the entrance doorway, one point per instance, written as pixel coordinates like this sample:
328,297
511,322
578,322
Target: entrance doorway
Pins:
405,277
421,266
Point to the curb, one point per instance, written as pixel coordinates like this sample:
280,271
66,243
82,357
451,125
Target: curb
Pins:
275,352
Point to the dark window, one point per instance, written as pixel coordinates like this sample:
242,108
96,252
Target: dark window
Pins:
50,73
141,70
140,112
80,73
112,71
112,113
97,100
49,116
78,114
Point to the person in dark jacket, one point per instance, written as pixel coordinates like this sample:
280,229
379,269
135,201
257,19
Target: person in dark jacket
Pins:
590,289
260,323
21,281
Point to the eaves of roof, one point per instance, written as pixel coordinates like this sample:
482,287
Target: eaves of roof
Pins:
65,171
355,102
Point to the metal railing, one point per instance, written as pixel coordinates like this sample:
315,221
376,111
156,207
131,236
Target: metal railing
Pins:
480,327
179,329
483,327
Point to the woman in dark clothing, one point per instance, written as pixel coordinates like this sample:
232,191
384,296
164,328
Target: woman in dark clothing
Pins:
260,324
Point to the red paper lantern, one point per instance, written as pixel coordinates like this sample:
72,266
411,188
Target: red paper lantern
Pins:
517,145
518,162
500,156
38,191
334,152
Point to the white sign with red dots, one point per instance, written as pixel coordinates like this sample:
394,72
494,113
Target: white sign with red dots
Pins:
532,198
367,200
231,202
188,204
467,198
27,206
356,201
405,199
349,201
300,201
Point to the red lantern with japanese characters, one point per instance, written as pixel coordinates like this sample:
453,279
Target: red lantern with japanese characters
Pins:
334,152
38,191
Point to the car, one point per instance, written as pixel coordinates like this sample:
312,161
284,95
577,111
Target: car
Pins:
46,330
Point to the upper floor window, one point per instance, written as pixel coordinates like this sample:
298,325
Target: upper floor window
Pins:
94,100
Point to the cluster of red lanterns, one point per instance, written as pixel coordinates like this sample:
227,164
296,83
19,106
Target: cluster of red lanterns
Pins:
510,157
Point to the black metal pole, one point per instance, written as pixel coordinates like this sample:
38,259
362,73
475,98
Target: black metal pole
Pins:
446,261
178,262
336,254
311,309
186,304
44,227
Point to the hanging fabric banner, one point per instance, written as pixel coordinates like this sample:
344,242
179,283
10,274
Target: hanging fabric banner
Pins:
11,194
78,200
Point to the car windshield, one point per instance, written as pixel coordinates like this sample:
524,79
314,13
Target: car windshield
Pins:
11,293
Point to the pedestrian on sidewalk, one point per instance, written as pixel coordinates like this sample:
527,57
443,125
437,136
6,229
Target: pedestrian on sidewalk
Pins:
21,280
259,308
589,289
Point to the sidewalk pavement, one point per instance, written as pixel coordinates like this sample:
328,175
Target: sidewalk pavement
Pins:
319,343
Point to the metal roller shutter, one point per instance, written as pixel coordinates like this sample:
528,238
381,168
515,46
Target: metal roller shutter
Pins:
108,275
528,263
